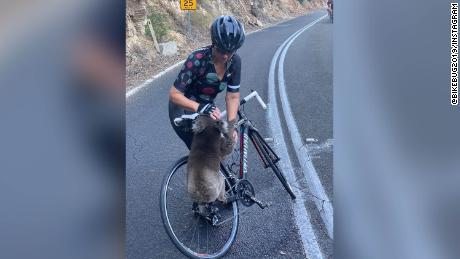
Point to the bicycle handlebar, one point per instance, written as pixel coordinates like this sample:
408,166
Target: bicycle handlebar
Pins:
247,98
178,121
254,94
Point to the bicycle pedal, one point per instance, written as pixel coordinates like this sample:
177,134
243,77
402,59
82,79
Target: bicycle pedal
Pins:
213,219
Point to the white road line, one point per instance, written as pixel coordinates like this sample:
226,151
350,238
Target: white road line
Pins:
314,183
302,217
148,82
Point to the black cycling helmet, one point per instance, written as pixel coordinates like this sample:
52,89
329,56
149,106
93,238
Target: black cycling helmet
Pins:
227,33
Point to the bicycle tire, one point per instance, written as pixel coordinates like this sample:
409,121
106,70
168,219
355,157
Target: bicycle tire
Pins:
170,231
273,166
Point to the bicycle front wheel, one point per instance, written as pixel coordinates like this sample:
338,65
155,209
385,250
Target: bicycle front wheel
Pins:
193,235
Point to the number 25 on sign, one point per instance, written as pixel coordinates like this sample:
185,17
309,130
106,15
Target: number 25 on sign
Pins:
188,4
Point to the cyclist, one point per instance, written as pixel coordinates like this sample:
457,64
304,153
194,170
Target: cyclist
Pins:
330,7
206,72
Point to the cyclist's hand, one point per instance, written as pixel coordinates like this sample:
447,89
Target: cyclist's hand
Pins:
206,108
215,115
233,132
235,136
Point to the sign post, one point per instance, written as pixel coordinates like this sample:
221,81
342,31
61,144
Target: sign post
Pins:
152,32
188,5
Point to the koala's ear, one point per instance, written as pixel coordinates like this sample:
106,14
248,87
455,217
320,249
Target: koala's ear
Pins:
223,126
220,126
199,125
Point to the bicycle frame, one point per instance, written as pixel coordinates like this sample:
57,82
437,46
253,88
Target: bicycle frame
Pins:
249,132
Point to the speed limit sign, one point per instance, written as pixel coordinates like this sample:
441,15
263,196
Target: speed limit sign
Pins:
188,4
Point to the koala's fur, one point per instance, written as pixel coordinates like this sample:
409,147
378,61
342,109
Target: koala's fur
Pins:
212,141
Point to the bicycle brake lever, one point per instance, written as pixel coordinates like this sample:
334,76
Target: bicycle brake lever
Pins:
178,121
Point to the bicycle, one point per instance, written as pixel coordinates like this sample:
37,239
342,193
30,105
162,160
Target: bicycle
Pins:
220,220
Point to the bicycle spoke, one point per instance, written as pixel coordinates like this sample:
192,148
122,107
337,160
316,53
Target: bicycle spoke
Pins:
193,235
198,234
173,188
175,196
242,211
195,227
230,189
188,213
188,228
225,221
207,240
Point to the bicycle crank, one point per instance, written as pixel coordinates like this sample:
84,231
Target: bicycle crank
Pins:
247,194
261,204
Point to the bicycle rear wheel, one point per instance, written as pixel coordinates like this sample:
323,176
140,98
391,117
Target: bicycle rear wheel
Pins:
192,234
262,147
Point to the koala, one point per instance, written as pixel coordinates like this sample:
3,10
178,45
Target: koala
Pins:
212,142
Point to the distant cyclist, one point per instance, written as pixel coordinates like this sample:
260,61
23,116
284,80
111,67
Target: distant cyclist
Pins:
207,72
330,8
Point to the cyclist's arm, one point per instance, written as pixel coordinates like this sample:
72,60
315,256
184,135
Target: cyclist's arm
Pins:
233,102
233,89
178,98
184,80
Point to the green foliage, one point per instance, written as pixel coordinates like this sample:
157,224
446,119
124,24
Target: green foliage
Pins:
159,23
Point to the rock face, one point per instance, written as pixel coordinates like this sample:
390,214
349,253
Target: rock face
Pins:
257,8
188,30
137,12
168,48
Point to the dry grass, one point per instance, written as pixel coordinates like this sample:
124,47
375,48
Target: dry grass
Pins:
143,62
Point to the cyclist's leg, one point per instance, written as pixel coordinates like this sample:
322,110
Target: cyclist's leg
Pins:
185,134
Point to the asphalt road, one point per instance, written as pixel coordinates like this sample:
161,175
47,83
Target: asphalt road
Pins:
152,146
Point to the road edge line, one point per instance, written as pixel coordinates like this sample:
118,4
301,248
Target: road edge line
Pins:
323,203
302,217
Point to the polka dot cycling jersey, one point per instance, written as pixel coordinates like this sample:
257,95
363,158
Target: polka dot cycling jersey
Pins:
198,79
